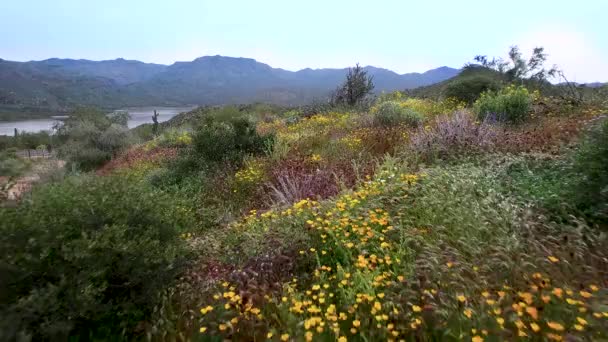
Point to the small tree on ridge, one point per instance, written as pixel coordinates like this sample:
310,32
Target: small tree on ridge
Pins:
356,87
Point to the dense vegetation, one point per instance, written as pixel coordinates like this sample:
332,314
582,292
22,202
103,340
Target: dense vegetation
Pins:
476,216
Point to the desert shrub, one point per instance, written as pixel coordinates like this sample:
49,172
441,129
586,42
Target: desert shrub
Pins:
469,89
567,186
144,132
511,104
174,137
227,142
591,163
391,113
546,182
86,258
90,138
11,165
452,135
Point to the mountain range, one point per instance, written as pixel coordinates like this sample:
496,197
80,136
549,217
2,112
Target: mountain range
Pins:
59,84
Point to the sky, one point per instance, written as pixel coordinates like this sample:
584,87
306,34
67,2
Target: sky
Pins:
404,36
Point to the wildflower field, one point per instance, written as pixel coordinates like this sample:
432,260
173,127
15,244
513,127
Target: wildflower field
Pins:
415,220
352,230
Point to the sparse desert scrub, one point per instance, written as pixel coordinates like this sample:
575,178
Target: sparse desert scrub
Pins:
452,135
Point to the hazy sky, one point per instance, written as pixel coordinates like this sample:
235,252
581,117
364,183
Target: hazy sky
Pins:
404,36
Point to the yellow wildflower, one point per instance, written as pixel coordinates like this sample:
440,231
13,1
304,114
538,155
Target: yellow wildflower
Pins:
284,337
477,338
468,313
555,326
554,337
202,329
552,258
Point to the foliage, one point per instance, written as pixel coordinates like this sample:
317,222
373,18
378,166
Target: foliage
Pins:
223,141
391,113
172,137
517,68
590,162
567,186
468,89
357,86
90,138
391,259
11,165
87,257
26,140
511,104
452,136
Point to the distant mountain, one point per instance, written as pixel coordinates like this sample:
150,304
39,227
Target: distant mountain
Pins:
589,85
58,84
120,70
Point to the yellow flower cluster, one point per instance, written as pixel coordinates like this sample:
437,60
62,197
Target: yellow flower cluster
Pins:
359,289
427,107
351,142
252,173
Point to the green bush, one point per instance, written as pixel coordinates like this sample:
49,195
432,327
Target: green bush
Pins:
391,113
591,163
89,137
574,185
86,258
10,165
468,89
225,142
511,104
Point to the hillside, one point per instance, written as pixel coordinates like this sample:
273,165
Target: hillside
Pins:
58,84
254,222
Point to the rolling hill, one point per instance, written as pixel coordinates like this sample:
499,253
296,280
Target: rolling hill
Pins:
59,84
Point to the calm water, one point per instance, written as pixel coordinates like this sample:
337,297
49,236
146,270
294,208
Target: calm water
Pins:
139,115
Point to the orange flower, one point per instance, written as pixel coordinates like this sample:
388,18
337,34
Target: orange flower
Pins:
555,326
532,312
558,292
585,294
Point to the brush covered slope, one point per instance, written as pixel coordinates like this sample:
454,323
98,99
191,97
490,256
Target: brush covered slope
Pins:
414,219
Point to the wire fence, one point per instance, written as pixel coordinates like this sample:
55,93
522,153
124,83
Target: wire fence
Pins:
37,153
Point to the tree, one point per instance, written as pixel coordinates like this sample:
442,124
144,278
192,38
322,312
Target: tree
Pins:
517,69
356,87
89,137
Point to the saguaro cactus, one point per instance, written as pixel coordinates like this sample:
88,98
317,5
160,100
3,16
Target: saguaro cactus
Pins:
155,120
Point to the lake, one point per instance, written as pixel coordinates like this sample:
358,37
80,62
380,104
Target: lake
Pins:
139,115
